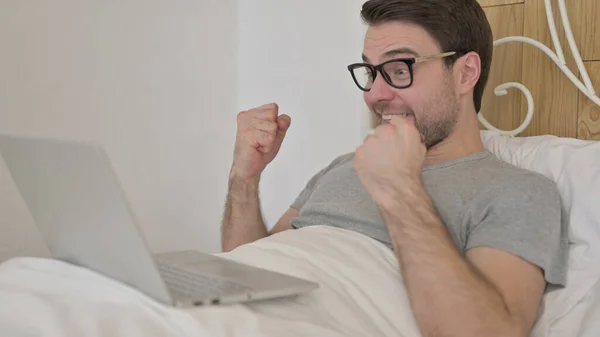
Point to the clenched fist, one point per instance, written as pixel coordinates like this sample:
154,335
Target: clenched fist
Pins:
260,133
390,159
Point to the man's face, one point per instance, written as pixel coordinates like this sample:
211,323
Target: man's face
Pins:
431,100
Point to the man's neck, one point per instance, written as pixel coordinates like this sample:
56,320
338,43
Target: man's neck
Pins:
464,141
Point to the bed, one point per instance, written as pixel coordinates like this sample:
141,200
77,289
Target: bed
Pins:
360,293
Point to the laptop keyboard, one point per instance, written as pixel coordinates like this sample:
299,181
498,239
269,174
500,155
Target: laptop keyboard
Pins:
184,283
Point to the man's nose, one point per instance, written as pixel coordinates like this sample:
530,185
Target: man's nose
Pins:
381,90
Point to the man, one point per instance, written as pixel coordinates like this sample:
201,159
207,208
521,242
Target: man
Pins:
477,239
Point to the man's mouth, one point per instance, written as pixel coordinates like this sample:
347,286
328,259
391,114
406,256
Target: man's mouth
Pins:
388,118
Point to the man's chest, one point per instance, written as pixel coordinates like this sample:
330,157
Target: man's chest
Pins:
339,199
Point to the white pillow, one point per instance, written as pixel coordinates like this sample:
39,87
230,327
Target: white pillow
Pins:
575,167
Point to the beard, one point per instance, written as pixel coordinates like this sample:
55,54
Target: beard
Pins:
435,121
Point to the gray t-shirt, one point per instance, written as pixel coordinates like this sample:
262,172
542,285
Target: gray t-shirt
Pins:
482,200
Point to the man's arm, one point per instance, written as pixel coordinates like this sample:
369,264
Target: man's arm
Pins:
243,221
488,293
284,222
259,137
485,293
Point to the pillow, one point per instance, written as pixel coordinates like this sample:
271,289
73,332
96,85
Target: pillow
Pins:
575,167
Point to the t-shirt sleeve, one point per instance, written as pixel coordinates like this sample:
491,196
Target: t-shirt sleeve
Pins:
522,214
314,180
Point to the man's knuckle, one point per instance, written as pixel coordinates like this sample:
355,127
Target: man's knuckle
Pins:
248,134
272,127
388,130
267,137
241,115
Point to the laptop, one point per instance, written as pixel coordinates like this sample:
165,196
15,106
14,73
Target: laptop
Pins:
82,213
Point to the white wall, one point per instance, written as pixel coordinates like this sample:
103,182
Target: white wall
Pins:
160,84
295,53
153,80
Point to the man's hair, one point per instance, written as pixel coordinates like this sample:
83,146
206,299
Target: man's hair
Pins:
456,25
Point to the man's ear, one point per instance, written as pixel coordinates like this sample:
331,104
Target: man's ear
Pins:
468,69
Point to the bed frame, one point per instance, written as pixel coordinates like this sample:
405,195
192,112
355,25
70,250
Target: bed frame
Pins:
558,57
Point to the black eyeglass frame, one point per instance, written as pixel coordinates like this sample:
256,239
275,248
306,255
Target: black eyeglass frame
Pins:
379,68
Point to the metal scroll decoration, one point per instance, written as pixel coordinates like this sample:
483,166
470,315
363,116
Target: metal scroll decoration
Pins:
585,86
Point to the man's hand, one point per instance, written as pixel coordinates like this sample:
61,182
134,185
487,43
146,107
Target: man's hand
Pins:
259,136
390,158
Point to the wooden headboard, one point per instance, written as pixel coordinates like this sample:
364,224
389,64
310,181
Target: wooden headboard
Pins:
561,108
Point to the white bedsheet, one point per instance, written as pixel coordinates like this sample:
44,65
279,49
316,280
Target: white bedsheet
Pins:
360,294
583,320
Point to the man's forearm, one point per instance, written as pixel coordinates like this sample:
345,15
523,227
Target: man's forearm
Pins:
242,220
449,297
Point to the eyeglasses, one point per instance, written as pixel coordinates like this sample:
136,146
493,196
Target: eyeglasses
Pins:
398,73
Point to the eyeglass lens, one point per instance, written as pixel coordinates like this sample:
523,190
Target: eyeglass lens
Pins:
397,72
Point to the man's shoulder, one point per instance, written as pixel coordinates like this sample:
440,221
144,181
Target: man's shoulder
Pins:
510,174
338,161
485,172
342,159
507,180
333,164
